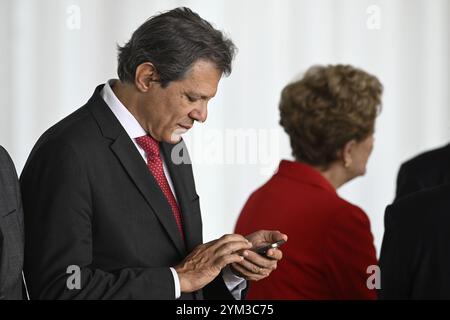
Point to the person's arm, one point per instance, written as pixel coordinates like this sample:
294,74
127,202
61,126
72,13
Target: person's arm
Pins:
2,154
218,290
349,252
1,255
17,192
394,257
235,284
228,286
58,213
14,232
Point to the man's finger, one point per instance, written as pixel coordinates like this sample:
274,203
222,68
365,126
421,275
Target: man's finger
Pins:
274,236
260,261
231,247
223,261
248,275
256,269
229,238
275,254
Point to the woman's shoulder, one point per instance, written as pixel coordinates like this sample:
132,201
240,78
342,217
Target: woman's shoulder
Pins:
347,212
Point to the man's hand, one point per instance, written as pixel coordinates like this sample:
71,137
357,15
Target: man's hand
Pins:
256,267
207,260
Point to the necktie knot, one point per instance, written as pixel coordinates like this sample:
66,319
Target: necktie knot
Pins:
150,146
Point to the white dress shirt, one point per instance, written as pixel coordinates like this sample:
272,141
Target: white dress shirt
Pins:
134,130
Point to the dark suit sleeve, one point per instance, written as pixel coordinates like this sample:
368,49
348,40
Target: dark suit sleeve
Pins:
217,290
395,257
60,220
12,224
17,192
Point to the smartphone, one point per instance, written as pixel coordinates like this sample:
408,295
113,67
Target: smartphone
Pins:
263,250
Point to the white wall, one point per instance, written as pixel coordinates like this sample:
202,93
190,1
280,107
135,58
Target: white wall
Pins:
48,70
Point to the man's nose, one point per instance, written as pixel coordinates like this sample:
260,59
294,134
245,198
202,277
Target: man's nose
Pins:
200,113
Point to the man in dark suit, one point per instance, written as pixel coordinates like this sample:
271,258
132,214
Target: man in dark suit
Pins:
11,230
427,170
415,259
109,195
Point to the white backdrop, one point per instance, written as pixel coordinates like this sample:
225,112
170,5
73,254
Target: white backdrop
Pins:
54,52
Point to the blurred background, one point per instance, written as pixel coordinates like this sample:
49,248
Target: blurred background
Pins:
55,52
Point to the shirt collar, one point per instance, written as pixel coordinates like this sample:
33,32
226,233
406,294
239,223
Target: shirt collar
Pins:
126,119
304,173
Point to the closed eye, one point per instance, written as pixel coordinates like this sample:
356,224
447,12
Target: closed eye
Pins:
191,99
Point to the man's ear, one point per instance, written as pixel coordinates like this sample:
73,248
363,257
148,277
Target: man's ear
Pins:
146,76
346,153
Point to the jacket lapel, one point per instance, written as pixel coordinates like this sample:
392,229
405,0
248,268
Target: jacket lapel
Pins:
188,199
133,164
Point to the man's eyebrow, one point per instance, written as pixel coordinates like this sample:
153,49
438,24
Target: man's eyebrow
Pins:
197,95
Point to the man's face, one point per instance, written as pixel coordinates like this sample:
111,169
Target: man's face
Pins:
169,112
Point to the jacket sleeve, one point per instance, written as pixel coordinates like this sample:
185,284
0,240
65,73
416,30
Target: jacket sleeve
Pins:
12,240
60,221
395,258
218,290
350,253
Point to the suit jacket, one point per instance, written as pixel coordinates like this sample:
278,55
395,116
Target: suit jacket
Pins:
11,230
427,170
415,259
90,201
330,243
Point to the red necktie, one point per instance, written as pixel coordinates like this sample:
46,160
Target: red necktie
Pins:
155,165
